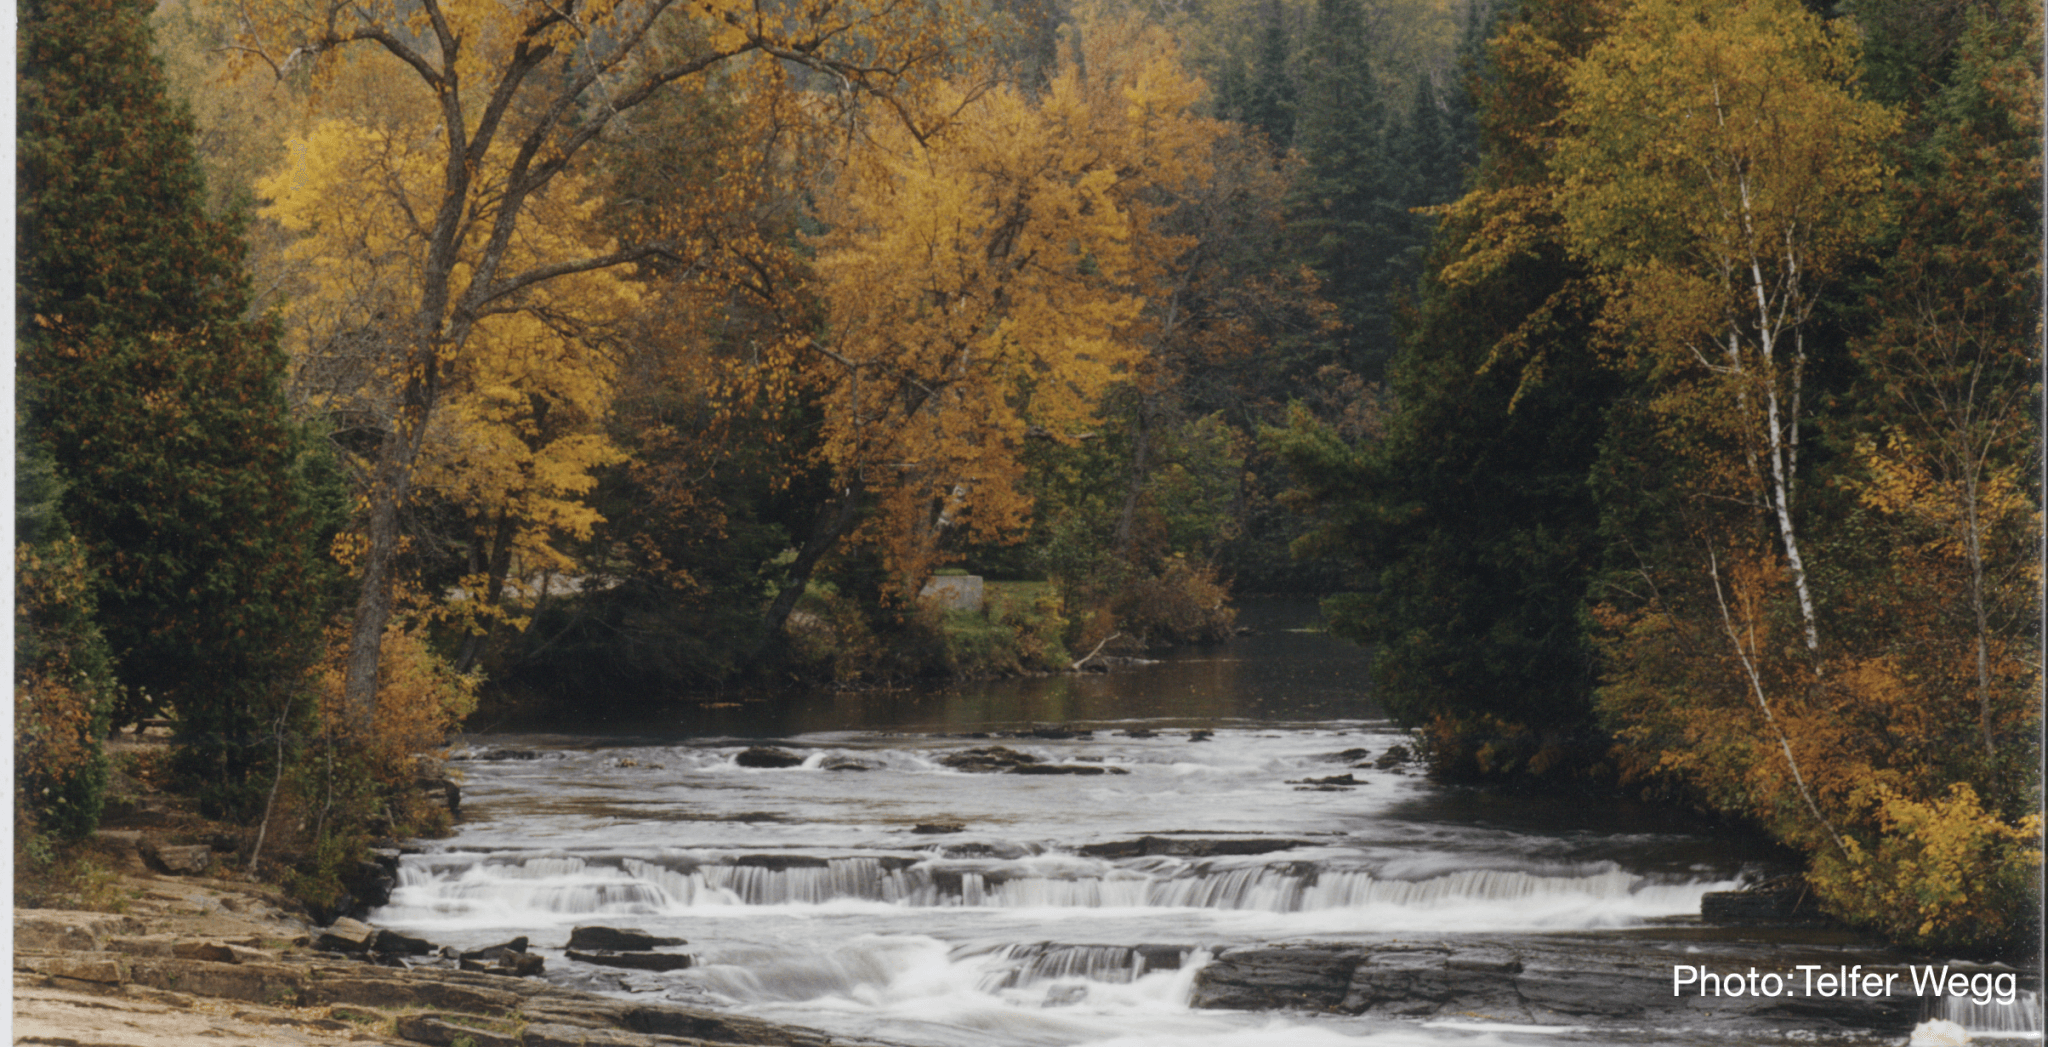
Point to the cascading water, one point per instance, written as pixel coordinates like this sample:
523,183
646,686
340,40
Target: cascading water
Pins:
1990,1019
872,888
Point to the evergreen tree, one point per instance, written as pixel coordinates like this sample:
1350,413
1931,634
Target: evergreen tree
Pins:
1270,101
1473,517
159,402
1347,207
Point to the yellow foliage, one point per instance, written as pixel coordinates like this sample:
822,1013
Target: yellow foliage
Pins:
1942,871
517,431
985,280
420,699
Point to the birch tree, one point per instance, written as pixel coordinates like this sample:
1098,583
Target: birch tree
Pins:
1718,169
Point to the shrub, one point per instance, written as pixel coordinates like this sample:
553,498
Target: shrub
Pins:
1184,603
63,692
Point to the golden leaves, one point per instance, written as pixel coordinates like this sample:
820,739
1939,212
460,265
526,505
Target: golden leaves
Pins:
986,279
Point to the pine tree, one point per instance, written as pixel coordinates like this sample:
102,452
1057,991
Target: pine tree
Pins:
159,402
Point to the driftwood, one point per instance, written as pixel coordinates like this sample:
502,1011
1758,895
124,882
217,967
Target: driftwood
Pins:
1090,656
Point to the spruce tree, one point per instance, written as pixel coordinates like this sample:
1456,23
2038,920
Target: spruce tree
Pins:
159,401
1347,208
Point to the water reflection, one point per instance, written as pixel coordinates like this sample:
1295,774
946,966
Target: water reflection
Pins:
1285,669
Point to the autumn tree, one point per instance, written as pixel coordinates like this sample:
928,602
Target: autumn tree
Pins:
519,93
158,400
984,282
1720,169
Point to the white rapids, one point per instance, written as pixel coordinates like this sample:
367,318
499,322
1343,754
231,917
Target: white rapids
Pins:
1066,909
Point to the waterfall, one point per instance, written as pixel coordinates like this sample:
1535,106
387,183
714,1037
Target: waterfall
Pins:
674,885
2020,1019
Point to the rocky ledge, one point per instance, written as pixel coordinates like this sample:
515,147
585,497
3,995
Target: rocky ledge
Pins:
227,963
1539,981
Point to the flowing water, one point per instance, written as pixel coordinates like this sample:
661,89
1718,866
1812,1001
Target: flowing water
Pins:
1066,908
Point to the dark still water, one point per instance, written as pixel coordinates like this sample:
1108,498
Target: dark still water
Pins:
1195,816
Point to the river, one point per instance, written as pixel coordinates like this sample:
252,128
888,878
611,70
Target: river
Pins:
874,890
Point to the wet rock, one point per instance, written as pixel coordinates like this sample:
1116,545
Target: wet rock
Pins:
1310,977
1055,733
1180,847
1064,995
1351,756
845,763
495,755
1784,902
991,759
617,939
346,935
634,960
1200,736
1393,757
781,862
1066,768
935,828
492,952
1335,781
1402,983
506,962
1563,982
397,944
1138,732
369,885
767,756
1004,849
177,860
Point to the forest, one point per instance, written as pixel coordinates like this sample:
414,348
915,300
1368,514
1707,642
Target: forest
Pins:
1650,384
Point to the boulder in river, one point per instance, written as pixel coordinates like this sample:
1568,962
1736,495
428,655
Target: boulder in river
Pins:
991,759
1784,902
617,939
767,756
637,961
1066,768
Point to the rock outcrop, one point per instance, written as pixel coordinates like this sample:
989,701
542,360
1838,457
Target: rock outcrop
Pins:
1543,981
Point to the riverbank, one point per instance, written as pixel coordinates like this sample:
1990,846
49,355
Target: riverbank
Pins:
191,959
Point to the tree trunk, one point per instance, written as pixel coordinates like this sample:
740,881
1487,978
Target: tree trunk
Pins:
390,485
834,522
498,566
1141,446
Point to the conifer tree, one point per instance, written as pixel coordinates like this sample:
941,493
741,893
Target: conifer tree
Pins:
1347,208
158,400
